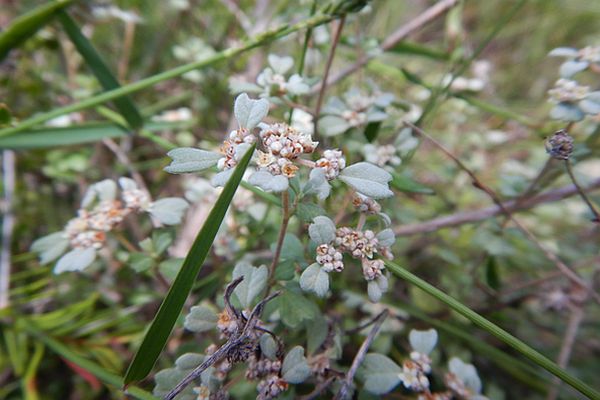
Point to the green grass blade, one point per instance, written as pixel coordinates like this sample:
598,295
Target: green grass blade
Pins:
124,90
77,134
495,330
416,49
405,184
93,368
28,24
169,311
99,68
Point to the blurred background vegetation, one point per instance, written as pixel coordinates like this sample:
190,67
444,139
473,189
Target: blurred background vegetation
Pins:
498,131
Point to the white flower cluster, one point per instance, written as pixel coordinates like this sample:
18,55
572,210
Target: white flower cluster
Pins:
360,244
382,155
283,144
330,258
271,387
366,204
567,90
273,82
332,163
100,213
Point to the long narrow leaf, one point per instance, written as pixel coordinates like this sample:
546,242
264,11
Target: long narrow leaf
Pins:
495,330
76,134
93,368
167,315
99,68
227,54
28,24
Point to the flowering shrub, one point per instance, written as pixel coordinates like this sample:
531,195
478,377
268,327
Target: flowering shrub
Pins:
101,212
381,172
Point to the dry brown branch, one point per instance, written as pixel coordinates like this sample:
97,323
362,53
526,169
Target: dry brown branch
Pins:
469,217
345,390
429,15
237,339
567,271
336,40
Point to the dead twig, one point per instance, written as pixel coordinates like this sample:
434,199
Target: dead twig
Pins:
430,14
567,271
345,390
470,217
238,339
581,192
336,40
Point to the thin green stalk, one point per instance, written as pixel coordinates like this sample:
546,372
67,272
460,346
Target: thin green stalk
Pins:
495,330
124,90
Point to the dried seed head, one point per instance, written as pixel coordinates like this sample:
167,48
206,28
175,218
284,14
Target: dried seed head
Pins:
560,145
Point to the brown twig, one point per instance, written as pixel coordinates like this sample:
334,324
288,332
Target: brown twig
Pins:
470,217
395,37
336,40
568,272
344,391
581,192
237,339
319,389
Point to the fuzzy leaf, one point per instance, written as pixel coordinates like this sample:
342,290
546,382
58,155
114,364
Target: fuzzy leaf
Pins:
386,237
50,247
381,375
566,112
268,346
423,341
268,182
332,125
248,112
75,260
314,279
189,361
374,291
280,65
295,308
200,319
221,178
564,52
255,280
295,369
466,373
169,210
571,67
367,179
188,159
317,184
308,211
322,230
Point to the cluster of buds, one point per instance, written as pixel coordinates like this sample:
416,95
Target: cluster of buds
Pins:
332,163
567,90
590,54
229,149
330,258
382,155
413,376
283,144
366,204
227,324
271,387
354,118
360,244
